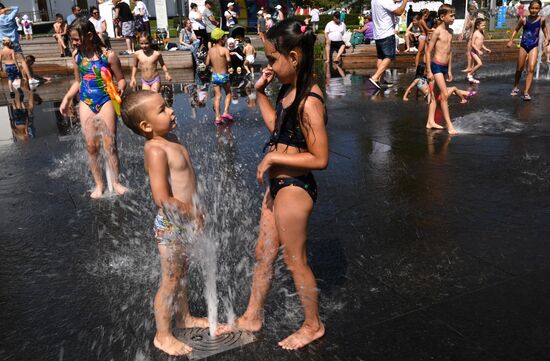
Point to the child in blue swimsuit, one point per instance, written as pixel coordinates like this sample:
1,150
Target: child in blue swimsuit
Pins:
298,145
218,58
528,50
93,66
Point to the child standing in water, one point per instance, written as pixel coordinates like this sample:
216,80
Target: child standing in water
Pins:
146,59
529,46
298,145
478,39
7,57
439,66
93,64
219,58
250,56
173,186
423,37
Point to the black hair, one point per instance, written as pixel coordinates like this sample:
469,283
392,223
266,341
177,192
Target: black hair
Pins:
336,14
535,2
208,2
288,35
30,59
247,40
193,5
84,27
2,6
93,8
477,23
58,15
73,8
420,71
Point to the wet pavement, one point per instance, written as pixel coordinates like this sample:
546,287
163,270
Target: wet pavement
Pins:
425,246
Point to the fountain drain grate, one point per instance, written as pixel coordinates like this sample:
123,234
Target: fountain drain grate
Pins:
205,346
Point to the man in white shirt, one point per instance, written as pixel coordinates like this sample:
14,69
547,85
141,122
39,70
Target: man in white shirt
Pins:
314,19
384,18
334,32
230,15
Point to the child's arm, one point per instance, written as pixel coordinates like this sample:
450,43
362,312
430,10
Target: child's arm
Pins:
545,32
413,84
207,61
519,25
116,67
228,56
266,108
159,172
163,65
486,48
317,144
134,71
73,90
408,31
450,73
428,54
63,29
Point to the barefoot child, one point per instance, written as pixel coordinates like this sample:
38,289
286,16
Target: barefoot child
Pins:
173,186
7,57
93,62
147,59
297,146
60,33
440,65
250,56
478,38
30,59
423,85
423,37
219,58
529,46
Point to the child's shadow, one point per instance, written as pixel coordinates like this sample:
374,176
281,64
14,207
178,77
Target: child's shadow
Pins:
329,263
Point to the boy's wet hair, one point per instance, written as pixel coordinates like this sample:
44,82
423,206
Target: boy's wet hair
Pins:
133,107
291,35
247,40
30,59
84,27
478,22
444,10
535,2
7,42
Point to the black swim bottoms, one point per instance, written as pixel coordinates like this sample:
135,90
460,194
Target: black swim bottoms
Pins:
306,182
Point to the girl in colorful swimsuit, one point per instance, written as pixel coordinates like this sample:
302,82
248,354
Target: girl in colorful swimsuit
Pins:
93,65
146,59
528,50
298,145
423,86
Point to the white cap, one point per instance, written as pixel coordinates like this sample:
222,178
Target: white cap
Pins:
25,17
278,7
260,12
230,40
230,4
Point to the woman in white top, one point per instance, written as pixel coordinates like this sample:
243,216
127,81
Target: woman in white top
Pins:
100,26
197,24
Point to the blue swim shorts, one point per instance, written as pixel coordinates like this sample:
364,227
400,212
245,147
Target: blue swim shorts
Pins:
439,68
12,72
219,79
166,233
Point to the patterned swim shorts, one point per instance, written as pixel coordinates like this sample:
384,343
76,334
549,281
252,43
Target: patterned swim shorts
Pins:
165,232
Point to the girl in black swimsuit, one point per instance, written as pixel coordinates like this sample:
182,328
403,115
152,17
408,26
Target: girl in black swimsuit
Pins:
298,145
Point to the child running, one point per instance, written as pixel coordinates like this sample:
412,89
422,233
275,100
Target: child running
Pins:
173,186
219,58
146,59
440,65
7,57
250,56
297,146
529,46
478,39
93,65
423,85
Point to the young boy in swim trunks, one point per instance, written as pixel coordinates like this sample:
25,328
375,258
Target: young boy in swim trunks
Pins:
250,56
147,59
218,57
173,185
7,57
439,66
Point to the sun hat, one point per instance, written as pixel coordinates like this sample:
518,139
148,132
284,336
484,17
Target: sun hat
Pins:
217,34
230,4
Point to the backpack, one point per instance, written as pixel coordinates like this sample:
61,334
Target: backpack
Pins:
26,24
357,39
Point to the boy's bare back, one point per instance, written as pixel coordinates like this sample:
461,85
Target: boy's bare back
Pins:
175,164
148,64
442,44
249,50
218,57
7,56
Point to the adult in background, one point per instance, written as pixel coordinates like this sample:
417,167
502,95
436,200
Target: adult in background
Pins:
367,29
142,17
314,19
8,29
334,32
279,16
384,17
188,40
260,25
230,16
198,25
74,15
123,12
100,26
410,15
209,19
